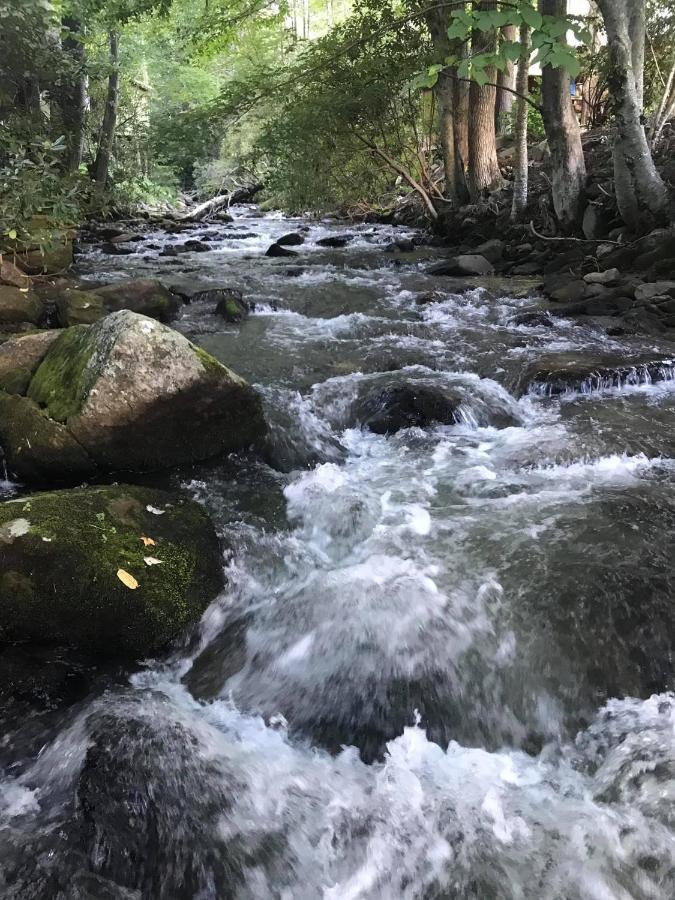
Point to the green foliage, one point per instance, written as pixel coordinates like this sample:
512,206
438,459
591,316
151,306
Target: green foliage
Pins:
37,200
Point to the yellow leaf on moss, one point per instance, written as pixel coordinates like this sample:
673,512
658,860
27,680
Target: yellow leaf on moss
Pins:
148,542
127,579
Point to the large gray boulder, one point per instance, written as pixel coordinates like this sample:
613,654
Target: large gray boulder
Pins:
146,296
131,395
114,569
465,264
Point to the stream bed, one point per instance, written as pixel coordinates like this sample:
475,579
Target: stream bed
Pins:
441,665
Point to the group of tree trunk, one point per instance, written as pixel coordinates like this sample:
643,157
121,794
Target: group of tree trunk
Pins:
470,154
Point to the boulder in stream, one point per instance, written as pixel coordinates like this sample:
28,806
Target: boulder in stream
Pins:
119,570
291,240
74,307
126,394
146,296
336,241
232,307
278,250
391,407
559,373
465,264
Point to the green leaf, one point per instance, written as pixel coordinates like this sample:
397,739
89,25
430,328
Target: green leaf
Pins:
510,50
458,31
11,234
531,17
479,76
562,57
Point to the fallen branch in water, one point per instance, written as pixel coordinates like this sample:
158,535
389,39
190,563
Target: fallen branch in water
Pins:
222,201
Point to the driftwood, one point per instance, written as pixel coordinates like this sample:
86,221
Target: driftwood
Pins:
217,204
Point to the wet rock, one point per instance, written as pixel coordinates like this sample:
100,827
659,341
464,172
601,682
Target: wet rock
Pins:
644,292
20,357
233,308
609,276
146,789
75,307
291,240
117,249
17,305
195,247
52,260
559,373
389,408
336,241
528,268
170,250
401,245
517,288
465,264
61,552
295,272
127,237
11,274
278,250
146,296
137,396
533,318
569,292
425,297
492,250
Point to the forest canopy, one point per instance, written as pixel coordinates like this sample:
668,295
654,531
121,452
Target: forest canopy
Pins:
345,105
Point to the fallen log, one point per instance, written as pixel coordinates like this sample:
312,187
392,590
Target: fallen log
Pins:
216,204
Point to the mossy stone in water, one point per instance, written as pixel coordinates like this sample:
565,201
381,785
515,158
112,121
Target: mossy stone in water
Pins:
60,554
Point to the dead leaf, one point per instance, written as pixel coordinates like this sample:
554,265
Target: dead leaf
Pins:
148,542
155,511
152,561
127,579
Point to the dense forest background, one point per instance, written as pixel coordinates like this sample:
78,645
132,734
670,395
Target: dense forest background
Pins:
349,105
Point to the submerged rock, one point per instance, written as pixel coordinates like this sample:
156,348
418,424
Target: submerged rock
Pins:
391,407
233,307
146,296
559,373
291,240
130,395
115,569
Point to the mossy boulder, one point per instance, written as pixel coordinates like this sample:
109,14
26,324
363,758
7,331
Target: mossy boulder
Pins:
20,357
132,395
146,296
75,307
20,305
118,570
36,448
50,259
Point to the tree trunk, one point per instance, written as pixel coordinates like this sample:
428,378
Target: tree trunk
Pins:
445,92
73,96
640,192
484,174
107,136
520,165
564,136
461,107
506,79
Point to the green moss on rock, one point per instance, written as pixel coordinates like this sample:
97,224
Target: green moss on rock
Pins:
63,379
60,553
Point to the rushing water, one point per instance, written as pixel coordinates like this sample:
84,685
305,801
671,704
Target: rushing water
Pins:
441,665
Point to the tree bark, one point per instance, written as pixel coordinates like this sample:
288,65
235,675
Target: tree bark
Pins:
563,135
484,173
520,165
506,79
107,136
74,96
640,191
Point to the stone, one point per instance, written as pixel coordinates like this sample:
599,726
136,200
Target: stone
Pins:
170,250
609,276
20,357
465,264
279,250
117,249
61,552
145,296
559,373
195,247
492,250
11,274
335,240
137,396
291,240
126,237
569,292
533,318
18,305
50,259
388,409
645,292
37,449
527,268
232,307
75,307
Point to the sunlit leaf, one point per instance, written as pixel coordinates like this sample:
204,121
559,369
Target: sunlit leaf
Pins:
127,579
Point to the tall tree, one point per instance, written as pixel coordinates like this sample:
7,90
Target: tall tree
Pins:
506,80
73,96
520,166
563,134
640,191
484,172
107,135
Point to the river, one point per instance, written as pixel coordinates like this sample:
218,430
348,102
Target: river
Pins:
440,668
